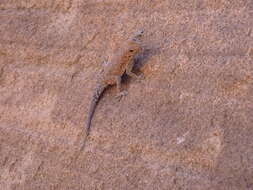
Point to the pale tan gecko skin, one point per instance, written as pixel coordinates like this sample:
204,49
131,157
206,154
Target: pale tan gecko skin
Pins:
123,61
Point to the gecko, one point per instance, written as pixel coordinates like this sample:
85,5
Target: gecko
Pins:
121,62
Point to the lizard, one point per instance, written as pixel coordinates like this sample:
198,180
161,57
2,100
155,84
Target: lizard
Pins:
121,62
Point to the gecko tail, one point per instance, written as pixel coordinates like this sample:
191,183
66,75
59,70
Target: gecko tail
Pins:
99,90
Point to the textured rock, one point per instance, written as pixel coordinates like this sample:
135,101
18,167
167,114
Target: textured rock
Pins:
187,125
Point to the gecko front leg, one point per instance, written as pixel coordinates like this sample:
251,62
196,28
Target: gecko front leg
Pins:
129,72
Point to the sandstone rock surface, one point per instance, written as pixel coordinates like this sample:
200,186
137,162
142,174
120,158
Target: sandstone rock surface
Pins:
187,125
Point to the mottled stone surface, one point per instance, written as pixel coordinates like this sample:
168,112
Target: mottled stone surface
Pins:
187,125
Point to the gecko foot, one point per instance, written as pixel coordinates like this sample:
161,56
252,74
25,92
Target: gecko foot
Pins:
121,94
139,77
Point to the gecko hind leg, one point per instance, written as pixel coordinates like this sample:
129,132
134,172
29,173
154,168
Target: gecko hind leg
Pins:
121,92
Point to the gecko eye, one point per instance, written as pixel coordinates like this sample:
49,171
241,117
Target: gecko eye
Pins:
131,50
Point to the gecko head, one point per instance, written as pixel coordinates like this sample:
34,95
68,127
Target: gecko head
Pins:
138,35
